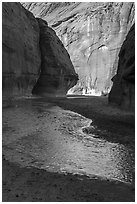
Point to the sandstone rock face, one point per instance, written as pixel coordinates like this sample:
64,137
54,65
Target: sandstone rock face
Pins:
92,33
33,56
20,50
123,90
57,72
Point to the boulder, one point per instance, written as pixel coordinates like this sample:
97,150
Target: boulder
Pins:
123,90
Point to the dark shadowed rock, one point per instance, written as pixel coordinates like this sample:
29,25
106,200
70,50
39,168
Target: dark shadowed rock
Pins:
57,72
93,33
32,49
123,90
20,50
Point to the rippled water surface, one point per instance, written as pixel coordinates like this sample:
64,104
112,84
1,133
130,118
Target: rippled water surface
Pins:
40,134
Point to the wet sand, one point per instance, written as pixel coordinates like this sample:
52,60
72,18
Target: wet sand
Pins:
104,116
37,185
28,171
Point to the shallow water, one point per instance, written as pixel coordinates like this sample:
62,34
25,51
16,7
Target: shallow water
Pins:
38,133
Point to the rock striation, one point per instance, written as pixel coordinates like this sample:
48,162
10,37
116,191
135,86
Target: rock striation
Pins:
33,57
20,50
123,90
93,33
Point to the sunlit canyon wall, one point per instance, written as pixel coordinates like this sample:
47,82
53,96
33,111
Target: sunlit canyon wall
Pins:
92,33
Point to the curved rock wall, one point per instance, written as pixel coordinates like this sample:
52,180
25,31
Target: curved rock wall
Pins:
57,72
123,90
20,50
31,51
92,33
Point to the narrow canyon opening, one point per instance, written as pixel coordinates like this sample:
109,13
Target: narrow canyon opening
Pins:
68,102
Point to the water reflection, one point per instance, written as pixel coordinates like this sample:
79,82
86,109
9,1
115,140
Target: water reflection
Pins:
48,137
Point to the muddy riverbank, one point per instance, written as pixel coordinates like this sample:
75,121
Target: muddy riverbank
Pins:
53,153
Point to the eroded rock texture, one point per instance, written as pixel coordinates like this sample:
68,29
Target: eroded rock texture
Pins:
20,50
92,33
57,72
123,90
32,49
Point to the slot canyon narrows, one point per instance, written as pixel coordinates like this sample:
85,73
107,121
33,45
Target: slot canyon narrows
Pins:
68,102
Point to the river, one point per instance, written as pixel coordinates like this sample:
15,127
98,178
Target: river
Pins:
41,134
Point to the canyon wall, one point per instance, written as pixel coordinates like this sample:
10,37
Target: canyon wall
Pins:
92,33
20,50
57,72
33,57
123,89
